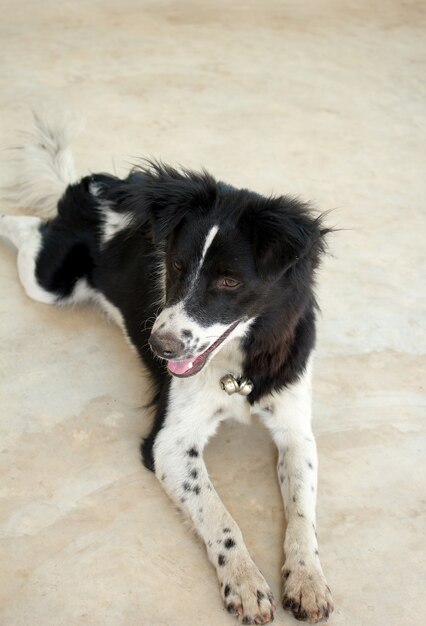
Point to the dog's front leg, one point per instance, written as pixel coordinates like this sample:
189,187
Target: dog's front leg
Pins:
288,416
179,465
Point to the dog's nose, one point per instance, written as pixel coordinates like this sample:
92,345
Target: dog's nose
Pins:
166,345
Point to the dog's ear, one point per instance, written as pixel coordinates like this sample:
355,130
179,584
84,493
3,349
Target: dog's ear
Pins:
285,233
160,196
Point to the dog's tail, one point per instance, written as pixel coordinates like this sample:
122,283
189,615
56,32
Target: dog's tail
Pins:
44,165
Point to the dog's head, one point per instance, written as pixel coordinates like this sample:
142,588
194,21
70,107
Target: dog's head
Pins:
228,254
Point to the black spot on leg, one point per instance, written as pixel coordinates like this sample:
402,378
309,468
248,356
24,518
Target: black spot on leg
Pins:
229,543
186,486
193,452
316,553
260,595
281,478
183,500
209,543
200,510
286,573
193,473
312,489
196,490
227,591
226,530
302,563
163,477
310,465
300,514
187,333
221,560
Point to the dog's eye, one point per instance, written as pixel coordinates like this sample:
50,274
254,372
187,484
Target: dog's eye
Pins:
231,283
178,265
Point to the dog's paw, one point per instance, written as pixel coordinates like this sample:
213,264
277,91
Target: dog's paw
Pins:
246,593
306,594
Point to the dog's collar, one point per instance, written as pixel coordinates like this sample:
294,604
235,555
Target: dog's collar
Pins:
232,385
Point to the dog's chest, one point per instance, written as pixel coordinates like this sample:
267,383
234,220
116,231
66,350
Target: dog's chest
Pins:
205,392
229,361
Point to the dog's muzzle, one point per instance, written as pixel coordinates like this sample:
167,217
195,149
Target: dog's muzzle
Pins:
166,345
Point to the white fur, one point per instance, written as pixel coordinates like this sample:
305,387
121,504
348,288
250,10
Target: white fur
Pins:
113,221
288,417
24,233
196,407
208,242
17,228
45,166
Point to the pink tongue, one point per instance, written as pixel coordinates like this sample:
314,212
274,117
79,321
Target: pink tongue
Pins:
179,367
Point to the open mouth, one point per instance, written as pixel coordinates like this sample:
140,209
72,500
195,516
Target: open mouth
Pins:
189,367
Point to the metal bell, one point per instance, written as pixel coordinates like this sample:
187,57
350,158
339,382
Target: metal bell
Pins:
246,386
243,386
229,384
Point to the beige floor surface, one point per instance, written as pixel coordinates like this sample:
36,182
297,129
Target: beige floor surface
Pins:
325,100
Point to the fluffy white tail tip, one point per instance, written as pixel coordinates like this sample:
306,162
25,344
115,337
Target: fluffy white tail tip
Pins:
44,164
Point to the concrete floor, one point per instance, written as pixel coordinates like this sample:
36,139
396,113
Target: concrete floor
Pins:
325,100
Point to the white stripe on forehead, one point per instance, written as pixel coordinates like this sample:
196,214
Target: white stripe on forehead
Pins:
176,310
208,242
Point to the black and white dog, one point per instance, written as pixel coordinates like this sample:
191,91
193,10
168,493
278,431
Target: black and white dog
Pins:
213,286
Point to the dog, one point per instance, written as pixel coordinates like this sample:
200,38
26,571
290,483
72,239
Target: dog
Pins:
214,288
